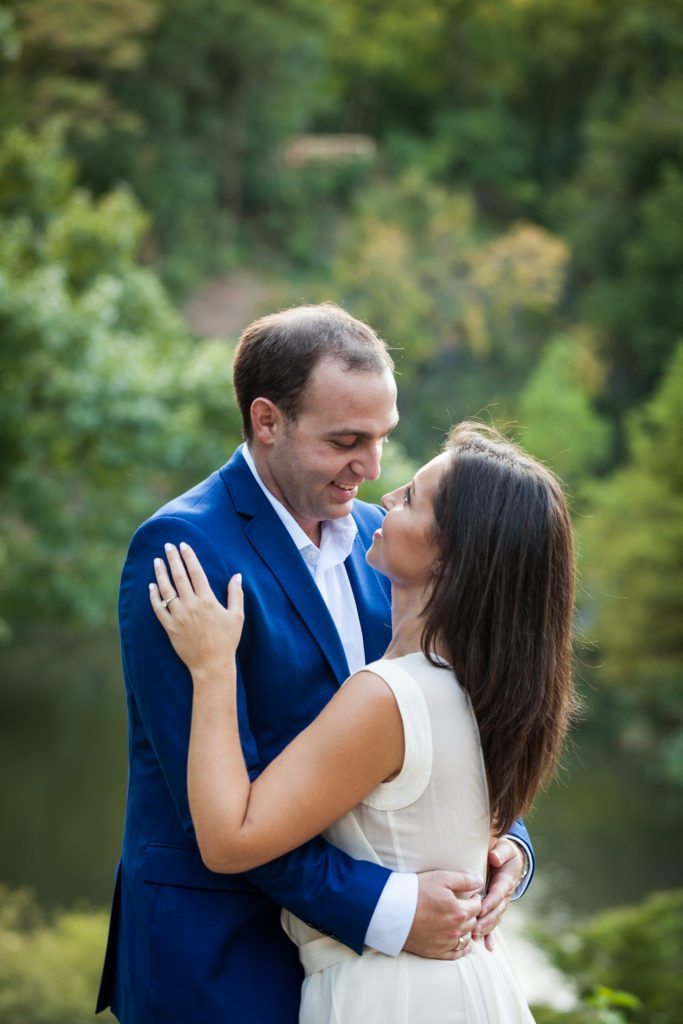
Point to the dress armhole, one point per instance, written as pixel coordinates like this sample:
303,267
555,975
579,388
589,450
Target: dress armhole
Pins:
416,770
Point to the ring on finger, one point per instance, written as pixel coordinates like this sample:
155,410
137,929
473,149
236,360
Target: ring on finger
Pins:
165,604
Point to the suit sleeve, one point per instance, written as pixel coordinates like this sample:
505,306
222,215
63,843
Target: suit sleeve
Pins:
318,882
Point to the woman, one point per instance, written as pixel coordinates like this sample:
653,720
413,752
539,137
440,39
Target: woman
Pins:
425,756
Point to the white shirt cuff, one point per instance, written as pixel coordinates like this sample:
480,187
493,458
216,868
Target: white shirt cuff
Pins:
524,884
394,914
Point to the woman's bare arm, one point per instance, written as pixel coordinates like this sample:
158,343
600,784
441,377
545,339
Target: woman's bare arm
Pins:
353,745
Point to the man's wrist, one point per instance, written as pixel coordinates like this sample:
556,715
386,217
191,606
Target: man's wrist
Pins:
394,914
526,864
525,877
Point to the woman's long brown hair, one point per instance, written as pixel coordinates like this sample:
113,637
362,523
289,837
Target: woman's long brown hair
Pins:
502,606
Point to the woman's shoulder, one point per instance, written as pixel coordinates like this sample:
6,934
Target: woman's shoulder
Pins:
433,678
415,664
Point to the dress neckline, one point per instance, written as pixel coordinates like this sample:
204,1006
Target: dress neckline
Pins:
411,654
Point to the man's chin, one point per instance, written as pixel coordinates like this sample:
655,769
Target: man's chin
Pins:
339,510
337,506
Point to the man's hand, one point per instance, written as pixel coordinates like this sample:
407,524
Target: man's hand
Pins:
506,864
448,903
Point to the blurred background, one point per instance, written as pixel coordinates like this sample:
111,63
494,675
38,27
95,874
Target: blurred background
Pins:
497,187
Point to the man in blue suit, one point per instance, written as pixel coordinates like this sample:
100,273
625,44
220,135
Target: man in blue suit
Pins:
186,945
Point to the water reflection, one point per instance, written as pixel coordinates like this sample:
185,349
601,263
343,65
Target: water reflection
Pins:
63,762
605,836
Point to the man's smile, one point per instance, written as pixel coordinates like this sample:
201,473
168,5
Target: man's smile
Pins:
344,490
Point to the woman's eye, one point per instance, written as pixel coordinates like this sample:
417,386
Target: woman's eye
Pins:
406,497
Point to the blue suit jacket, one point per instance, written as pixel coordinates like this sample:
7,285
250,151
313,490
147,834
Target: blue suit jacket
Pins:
187,944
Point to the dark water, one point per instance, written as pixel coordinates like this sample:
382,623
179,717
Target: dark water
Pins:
606,835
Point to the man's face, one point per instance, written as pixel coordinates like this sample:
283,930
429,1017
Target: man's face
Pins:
316,464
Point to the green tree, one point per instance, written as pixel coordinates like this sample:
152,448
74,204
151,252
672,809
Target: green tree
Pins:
189,102
558,421
108,405
221,87
622,215
66,57
633,565
468,311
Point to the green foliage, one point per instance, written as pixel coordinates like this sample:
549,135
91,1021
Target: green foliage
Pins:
36,177
303,220
603,1007
65,58
10,46
636,952
467,311
49,968
560,424
460,288
623,212
108,404
222,87
90,239
633,555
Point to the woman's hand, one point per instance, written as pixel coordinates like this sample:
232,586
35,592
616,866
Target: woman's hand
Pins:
203,633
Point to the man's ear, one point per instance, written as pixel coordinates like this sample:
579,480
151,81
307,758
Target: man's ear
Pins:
266,420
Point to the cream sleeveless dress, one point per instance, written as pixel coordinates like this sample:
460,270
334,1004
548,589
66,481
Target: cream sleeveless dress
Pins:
433,814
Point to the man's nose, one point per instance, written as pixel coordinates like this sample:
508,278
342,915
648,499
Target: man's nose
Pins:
368,464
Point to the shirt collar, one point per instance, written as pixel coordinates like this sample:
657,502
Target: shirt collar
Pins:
336,537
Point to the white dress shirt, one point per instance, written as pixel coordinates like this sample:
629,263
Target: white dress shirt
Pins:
395,910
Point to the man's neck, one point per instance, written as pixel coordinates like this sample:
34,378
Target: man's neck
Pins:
311,527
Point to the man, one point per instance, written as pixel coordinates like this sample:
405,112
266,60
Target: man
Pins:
318,399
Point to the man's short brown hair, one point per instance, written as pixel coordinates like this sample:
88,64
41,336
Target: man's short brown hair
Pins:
277,354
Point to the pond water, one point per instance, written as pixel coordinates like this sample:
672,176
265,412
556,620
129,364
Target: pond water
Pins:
605,835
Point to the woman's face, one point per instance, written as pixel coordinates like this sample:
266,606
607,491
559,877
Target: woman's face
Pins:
404,549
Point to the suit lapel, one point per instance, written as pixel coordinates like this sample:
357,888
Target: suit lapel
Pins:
277,549
372,601
268,536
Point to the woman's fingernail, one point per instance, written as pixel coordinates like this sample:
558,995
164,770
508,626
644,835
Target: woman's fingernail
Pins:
183,545
152,586
157,563
238,577
168,547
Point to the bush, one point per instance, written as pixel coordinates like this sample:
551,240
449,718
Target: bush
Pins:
638,949
49,968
